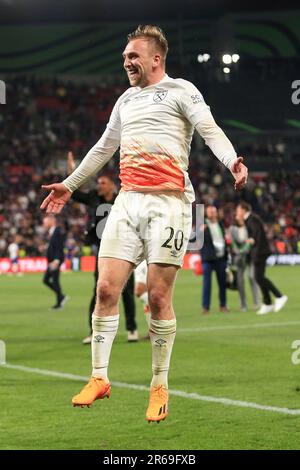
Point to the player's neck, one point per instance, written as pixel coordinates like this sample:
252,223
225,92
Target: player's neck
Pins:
156,79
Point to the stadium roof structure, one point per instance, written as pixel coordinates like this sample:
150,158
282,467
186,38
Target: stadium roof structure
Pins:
90,48
37,11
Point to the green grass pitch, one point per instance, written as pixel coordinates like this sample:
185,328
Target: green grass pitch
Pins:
238,356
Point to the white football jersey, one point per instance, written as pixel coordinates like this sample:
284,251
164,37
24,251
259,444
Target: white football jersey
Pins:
154,127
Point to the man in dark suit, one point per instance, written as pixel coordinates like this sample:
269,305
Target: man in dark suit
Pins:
214,258
55,258
259,254
99,202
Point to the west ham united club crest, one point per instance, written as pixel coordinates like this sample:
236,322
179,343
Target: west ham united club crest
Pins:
160,96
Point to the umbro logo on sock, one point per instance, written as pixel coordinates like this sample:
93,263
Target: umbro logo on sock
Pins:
160,342
99,339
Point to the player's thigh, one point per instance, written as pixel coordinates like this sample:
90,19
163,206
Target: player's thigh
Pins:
169,231
113,275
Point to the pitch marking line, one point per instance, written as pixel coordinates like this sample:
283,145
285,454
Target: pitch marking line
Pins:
181,330
142,388
237,327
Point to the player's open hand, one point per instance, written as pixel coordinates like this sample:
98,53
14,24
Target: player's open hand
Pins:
240,173
57,198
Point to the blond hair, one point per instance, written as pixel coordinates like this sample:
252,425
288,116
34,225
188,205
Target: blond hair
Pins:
154,34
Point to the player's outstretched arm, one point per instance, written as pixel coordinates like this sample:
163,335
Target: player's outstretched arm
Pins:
198,113
58,197
94,160
239,172
223,149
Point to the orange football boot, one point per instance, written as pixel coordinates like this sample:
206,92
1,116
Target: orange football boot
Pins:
158,404
96,389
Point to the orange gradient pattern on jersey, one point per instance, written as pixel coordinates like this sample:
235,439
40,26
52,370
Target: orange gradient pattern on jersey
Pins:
141,170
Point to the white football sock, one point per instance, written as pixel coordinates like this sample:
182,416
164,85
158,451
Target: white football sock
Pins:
104,332
162,335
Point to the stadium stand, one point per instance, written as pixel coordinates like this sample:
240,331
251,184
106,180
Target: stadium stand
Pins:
63,79
47,117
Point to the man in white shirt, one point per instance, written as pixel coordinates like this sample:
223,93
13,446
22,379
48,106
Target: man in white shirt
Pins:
13,252
153,124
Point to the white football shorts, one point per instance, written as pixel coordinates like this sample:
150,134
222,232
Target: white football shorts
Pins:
151,226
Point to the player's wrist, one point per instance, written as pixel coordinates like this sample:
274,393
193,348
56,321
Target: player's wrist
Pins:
232,162
67,185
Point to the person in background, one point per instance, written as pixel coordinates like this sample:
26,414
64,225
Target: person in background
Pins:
214,258
240,246
13,253
99,202
55,258
260,251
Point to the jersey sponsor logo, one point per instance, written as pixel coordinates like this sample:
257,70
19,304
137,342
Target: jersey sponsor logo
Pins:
140,97
159,96
196,99
136,98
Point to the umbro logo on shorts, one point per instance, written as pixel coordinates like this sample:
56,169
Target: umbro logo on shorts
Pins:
99,339
174,253
160,342
160,96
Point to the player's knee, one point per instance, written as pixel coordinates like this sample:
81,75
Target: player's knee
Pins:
106,292
157,300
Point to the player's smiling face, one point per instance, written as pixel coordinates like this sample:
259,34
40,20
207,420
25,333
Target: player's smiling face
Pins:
140,62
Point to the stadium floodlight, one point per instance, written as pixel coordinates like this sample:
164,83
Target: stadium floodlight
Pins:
203,57
226,69
227,59
235,58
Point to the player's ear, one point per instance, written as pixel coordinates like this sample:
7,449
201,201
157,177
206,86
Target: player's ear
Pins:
156,60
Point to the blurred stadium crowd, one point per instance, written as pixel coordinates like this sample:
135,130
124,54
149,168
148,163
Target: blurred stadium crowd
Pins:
46,118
